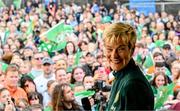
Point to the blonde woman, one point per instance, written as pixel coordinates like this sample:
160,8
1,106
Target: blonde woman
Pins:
130,90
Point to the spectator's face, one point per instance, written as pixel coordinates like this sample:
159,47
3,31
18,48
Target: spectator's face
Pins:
9,41
70,60
160,69
38,58
28,52
70,48
61,64
176,40
84,47
158,59
68,94
34,100
89,59
175,69
61,76
160,80
4,96
148,40
118,55
82,61
24,69
166,52
69,75
88,82
29,87
12,78
78,75
6,48
47,68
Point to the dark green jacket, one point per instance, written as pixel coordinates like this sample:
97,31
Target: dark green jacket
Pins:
130,90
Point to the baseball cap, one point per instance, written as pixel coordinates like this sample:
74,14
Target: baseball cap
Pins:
47,60
28,47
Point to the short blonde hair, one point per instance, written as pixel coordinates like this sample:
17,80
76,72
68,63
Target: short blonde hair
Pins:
120,31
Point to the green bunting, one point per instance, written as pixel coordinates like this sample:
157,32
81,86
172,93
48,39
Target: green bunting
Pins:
162,95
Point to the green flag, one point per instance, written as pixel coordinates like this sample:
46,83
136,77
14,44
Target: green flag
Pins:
139,31
2,4
58,32
48,108
138,59
17,3
3,66
149,77
60,45
84,94
49,47
6,35
30,28
162,95
77,57
148,61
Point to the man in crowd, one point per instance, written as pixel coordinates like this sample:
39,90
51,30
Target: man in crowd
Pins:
11,80
42,80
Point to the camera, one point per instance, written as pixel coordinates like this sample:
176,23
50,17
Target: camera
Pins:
99,98
101,85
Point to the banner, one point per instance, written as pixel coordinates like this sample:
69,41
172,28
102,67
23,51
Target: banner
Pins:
143,6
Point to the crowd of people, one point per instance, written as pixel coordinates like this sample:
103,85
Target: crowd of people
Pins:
32,79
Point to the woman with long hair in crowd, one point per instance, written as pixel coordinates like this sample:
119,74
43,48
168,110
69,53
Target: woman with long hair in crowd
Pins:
63,99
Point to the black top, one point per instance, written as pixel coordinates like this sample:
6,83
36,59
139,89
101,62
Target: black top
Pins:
130,90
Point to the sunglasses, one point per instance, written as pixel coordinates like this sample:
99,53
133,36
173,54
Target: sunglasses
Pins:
39,58
26,85
35,98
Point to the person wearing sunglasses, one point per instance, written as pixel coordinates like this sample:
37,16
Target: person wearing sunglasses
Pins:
42,80
36,65
34,98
